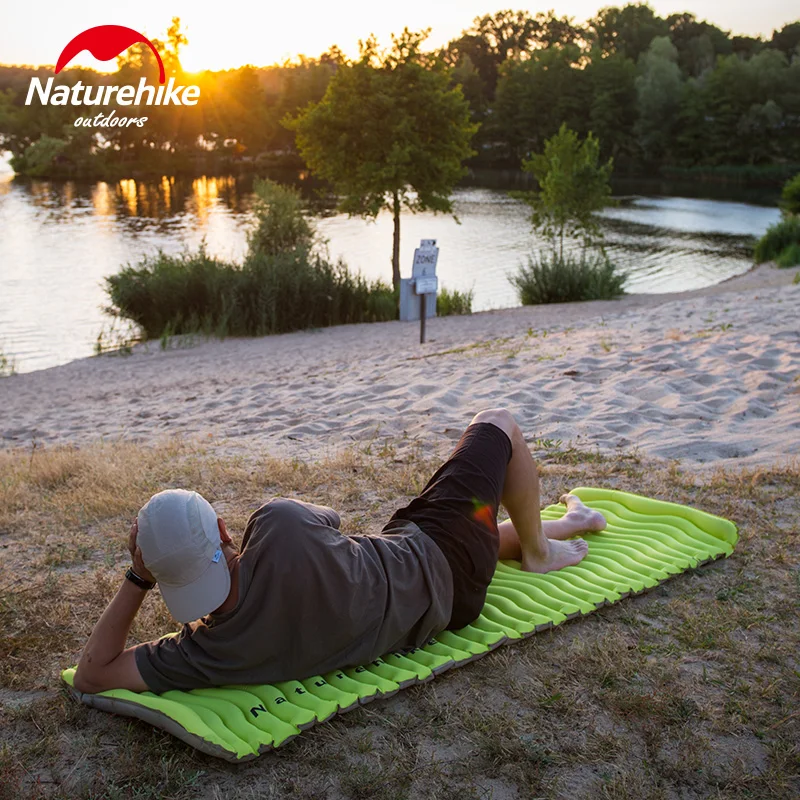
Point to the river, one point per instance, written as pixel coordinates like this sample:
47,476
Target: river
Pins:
59,239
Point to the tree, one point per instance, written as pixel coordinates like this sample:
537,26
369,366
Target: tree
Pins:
698,43
658,92
747,46
612,103
690,144
535,96
510,36
303,83
747,104
573,185
787,40
627,31
390,132
493,39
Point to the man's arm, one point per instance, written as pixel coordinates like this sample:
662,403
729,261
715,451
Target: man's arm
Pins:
105,663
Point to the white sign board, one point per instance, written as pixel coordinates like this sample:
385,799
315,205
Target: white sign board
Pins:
425,259
426,284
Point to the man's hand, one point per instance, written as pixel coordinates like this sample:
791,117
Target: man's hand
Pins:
136,554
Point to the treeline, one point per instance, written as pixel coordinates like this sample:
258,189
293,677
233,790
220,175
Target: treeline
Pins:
669,93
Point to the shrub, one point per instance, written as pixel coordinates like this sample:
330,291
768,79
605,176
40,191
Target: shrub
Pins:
789,256
779,237
550,279
790,196
194,293
281,224
449,303
284,284
291,291
39,156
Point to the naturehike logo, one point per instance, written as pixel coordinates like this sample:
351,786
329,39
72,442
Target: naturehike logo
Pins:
105,42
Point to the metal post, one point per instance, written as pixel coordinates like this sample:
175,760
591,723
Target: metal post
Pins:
422,318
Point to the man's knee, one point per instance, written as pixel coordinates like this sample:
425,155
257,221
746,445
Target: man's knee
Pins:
501,417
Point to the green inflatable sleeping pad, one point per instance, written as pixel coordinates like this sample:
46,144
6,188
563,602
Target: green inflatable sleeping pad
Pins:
646,542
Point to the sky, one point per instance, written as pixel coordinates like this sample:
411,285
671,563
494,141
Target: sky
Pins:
223,36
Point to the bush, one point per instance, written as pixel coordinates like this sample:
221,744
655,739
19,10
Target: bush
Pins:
194,293
778,238
790,196
551,279
39,156
281,224
449,303
284,284
790,256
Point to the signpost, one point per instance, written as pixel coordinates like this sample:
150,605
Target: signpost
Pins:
423,273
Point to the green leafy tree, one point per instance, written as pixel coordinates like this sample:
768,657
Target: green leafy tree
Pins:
612,104
659,89
390,133
39,157
698,43
509,36
626,31
747,46
537,95
787,40
303,83
492,40
690,143
573,185
746,105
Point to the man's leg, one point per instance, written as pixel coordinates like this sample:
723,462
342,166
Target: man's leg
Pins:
537,552
578,519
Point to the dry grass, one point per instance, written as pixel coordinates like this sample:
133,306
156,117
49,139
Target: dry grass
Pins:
689,691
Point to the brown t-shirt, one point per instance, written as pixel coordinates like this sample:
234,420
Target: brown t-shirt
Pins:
311,600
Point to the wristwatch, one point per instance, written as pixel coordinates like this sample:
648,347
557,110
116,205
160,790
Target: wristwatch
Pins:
140,582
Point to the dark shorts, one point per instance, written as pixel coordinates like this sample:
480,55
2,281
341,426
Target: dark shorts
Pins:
458,510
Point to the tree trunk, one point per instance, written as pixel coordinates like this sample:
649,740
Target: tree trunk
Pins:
396,243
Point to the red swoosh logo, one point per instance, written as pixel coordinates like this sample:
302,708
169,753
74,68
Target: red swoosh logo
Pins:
105,42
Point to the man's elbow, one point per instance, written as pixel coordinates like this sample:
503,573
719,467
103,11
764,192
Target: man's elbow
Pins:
85,682
121,673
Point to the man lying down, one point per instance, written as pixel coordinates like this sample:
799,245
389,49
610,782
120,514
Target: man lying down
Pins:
302,599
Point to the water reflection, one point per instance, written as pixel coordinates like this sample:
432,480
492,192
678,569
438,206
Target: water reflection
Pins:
58,240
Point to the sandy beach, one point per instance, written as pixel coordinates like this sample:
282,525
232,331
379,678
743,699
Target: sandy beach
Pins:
710,377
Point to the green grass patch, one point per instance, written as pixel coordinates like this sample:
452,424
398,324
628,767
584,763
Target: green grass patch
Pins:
687,690
781,243
789,256
453,302
790,196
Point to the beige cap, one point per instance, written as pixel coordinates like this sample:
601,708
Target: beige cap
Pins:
180,544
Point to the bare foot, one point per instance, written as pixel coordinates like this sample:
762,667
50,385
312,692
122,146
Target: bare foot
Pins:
582,518
561,554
